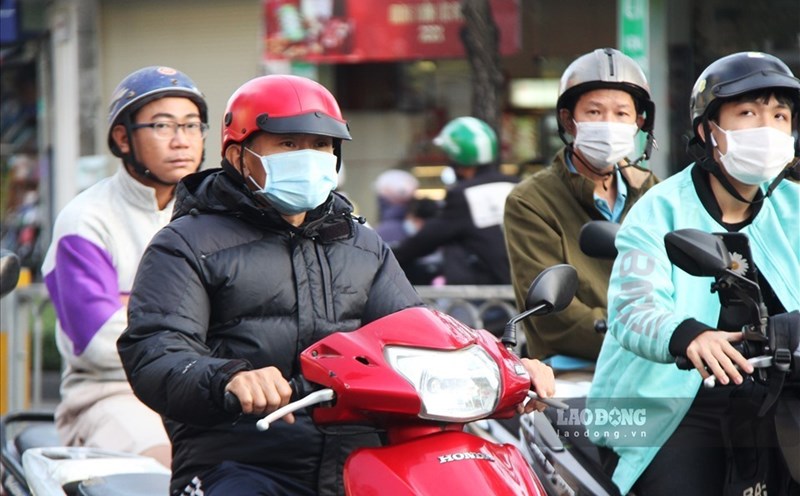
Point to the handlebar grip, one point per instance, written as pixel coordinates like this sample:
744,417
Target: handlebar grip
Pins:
231,403
300,388
684,363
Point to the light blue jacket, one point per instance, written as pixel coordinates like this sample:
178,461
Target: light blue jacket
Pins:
648,298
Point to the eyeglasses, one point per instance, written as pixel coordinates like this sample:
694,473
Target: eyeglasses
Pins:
168,129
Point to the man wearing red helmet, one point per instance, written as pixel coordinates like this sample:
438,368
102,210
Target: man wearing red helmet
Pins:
157,124
261,260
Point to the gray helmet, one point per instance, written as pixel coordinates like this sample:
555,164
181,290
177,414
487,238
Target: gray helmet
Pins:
145,85
605,68
735,75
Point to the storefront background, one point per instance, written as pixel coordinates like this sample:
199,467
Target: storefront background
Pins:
58,72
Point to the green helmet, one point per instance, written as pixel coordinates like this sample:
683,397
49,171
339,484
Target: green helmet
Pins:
468,142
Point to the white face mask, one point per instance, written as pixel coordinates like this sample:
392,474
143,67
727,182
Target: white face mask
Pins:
604,143
756,155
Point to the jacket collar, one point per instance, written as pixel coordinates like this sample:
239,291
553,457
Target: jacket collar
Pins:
215,191
138,195
582,188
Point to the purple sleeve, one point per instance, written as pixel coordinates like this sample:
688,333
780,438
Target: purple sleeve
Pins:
84,290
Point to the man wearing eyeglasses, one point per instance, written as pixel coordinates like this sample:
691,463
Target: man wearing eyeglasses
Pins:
157,125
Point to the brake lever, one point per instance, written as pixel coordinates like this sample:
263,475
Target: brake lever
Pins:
548,401
320,396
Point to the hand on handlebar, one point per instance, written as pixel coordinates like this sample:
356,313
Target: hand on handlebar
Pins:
261,391
712,351
542,382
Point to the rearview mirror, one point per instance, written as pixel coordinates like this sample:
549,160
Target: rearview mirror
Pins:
9,271
697,252
553,289
596,239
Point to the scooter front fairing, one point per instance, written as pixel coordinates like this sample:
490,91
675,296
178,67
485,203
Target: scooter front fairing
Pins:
462,463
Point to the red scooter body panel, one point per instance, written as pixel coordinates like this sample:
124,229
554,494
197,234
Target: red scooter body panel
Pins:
452,462
424,455
375,393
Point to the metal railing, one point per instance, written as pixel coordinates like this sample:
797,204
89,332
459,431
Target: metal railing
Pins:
475,306
21,314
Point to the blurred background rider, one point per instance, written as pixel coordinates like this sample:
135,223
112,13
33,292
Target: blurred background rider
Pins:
469,226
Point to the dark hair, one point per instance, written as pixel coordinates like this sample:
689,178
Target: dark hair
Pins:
785,96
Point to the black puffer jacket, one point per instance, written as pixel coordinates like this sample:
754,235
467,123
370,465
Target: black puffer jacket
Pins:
229,286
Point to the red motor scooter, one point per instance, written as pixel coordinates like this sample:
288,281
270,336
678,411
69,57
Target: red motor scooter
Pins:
420,376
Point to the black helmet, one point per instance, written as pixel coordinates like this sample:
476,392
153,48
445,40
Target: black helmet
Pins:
731,76
605,68
737,74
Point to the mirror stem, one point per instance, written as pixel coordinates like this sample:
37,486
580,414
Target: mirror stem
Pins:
509,338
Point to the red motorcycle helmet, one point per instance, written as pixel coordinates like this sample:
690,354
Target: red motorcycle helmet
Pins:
283,104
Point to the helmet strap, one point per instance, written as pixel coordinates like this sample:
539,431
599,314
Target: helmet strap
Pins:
240,177
649,146
337,150
786,172
233,172
592,169
563,135
130,158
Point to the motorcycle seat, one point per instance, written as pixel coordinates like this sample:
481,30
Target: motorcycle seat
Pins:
42,435
124,485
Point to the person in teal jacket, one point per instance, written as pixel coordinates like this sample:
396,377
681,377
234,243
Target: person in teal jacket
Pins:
672,441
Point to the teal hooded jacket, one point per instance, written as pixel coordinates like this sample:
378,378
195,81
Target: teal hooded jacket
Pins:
636,378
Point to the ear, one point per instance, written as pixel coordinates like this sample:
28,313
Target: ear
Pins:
701,132
233,154
120,137
565,117
640,120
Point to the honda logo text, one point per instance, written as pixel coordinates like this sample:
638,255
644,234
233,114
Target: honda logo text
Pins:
467,455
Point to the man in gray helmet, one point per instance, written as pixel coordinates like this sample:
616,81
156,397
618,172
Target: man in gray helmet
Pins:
157,125
604,101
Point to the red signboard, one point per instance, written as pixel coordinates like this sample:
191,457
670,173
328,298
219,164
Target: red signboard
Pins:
347,31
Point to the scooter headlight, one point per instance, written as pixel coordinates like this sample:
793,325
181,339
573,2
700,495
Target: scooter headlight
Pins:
459,386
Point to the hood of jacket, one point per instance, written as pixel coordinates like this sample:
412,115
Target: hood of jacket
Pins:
214,191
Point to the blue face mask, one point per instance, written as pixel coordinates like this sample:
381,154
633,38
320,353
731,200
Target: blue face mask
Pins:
297,181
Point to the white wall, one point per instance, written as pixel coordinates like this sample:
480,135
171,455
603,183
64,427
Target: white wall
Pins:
216,43
380,142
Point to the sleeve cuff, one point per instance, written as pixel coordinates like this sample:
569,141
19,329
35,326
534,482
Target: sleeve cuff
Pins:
223,376
685,334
